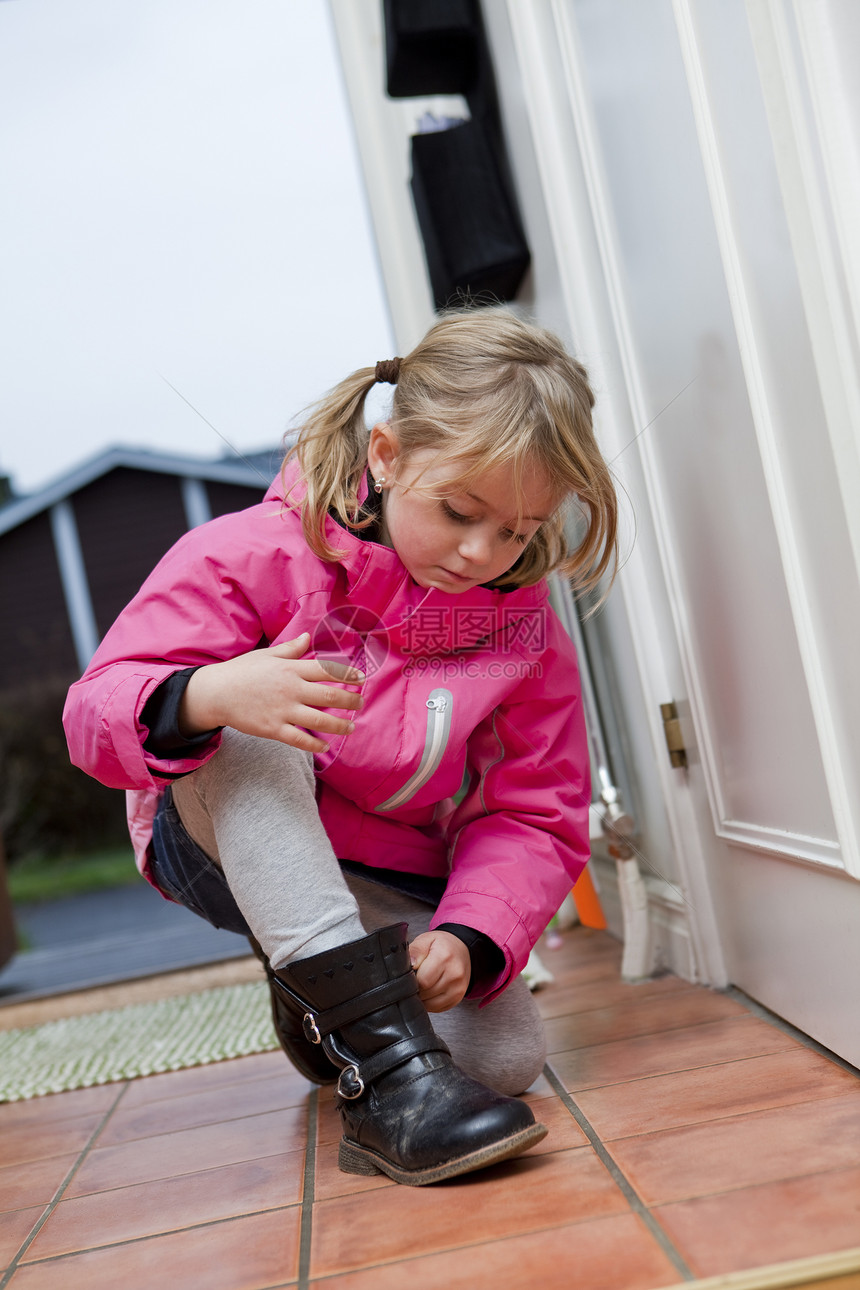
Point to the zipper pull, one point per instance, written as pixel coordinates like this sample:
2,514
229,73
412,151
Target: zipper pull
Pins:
439,704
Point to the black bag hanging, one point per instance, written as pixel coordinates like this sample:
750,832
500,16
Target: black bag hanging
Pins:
470,229
431,47
461,184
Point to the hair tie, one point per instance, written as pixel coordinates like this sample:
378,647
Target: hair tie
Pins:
388,370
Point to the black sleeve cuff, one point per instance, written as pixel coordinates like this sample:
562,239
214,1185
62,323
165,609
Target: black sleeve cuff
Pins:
487,959
161,717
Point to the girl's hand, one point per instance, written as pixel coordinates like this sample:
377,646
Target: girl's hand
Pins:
273,693
443,967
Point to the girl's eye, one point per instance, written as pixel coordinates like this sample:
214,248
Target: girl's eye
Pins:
455,515
508,535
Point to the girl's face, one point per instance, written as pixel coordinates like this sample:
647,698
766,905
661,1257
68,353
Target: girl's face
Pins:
463,535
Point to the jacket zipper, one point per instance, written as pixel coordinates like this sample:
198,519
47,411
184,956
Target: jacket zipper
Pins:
439,706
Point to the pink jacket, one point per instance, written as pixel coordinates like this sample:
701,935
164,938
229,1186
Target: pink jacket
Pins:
481,685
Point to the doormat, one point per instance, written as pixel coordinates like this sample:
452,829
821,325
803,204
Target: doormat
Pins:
141,1039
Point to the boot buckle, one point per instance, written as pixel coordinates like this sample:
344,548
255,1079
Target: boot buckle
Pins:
354,1087
311,1029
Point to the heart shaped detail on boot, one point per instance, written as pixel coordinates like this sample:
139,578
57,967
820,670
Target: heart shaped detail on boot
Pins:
329,972
312,980
348,966
368,958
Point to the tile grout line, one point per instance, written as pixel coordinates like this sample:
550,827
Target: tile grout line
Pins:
59,1193
187,1173
632,1197
166,1133
307,1194
154,1236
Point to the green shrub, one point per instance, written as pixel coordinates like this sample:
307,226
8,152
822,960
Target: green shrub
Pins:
36,878
47,805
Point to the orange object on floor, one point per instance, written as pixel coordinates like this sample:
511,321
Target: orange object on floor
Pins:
587,902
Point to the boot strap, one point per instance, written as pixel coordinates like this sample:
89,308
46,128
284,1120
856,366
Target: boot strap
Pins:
317,1025
355,1078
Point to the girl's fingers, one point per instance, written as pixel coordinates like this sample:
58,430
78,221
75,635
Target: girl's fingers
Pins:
322,722
442,979
301,739
308,728
315,695
317,668
323,696
330,667
323,669
291,649
441,1000
438,987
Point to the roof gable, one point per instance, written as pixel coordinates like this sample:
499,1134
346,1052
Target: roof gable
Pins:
250,471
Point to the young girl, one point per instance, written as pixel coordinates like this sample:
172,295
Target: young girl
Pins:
350,709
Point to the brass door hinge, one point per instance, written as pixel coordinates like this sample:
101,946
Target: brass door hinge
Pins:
674,735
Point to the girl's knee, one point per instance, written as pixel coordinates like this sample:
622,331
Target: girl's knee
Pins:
515,1073
521,1055
502,1045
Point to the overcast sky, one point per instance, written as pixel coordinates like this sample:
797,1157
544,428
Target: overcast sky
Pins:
181,199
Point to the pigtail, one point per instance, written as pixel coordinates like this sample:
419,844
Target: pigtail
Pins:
332,453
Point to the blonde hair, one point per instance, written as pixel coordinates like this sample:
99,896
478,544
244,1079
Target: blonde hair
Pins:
486,389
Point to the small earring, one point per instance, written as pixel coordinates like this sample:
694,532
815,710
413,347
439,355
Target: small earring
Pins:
379,485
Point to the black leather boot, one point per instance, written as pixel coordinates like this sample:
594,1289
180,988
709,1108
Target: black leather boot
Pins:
287,1017
407,1110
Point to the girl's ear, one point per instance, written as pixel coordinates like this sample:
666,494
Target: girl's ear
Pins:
382,450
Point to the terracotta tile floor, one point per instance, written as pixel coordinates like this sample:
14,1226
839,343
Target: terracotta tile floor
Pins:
688,1138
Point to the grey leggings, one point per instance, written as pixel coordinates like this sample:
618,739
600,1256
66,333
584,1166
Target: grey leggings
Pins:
252,809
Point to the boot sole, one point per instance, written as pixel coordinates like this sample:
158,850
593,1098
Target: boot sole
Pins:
354,1159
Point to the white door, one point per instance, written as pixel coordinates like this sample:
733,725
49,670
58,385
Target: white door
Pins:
689,176
715,141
